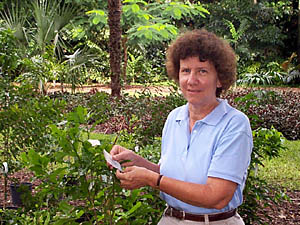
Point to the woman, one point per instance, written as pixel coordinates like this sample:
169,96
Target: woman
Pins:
206,144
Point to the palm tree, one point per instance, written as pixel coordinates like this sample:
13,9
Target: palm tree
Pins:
298,43
14,18
51,16
115,32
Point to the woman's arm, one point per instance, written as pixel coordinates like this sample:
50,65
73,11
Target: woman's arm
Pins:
216,193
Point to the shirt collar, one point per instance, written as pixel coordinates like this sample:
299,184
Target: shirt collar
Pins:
183,113
213,118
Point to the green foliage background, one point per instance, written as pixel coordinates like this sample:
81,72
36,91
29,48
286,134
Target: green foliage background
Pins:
67,42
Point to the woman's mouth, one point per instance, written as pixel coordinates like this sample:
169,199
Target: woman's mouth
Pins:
193,91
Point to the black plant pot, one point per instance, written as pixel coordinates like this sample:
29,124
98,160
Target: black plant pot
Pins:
84,218
20,192
8,208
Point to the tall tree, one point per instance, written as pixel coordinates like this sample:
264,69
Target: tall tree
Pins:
298,41
142,23
115,33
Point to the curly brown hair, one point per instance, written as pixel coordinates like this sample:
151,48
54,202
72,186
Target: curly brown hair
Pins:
207,46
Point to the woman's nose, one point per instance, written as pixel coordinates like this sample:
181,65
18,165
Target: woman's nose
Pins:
193,78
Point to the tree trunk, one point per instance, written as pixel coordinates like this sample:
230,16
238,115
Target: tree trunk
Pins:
115,32
298,39
124,46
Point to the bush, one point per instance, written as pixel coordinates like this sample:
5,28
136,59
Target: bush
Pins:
9,59
144,114
71,158
270,108
266,144
25,117
78,184
147,119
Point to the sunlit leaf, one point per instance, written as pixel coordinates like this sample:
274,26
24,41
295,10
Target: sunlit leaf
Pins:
135,8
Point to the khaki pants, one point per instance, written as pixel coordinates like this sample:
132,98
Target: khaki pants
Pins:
234,220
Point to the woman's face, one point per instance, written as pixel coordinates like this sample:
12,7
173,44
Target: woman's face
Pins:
198,81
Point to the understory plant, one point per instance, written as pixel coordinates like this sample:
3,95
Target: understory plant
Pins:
79,185
267,143
24,117
269,108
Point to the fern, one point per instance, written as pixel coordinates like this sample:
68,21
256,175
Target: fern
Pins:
293,75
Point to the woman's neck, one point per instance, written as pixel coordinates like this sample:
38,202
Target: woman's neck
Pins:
199,112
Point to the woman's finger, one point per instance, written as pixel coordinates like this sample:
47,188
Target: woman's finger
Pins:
127,164
116,149
120,175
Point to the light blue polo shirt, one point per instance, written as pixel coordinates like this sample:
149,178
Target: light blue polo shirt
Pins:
219,145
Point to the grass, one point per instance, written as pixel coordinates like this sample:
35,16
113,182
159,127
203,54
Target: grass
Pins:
285,169
99,136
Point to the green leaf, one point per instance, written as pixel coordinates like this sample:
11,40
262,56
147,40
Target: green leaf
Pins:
164,33
98,12
201,9
135,8
24,157
65,207
47,221
146,16
133,209
148,34
34,157
37,169
96,20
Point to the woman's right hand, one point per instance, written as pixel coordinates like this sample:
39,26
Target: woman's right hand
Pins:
125,156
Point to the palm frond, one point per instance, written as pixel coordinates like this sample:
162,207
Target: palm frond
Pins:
14,18
51,17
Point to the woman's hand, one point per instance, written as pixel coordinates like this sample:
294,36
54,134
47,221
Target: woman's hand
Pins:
125,156
135,177
128,158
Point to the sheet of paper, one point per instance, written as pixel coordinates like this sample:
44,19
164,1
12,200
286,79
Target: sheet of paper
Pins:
112,162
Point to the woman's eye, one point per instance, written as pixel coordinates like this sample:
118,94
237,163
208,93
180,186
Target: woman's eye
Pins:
185,70
202,71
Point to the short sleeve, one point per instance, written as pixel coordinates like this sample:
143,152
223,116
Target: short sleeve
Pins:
232,154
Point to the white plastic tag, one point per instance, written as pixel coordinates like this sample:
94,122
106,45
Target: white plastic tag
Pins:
112,162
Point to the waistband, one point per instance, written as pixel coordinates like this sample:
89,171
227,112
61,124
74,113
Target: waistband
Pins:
182,215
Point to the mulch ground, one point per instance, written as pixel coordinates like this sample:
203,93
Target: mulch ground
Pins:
286,212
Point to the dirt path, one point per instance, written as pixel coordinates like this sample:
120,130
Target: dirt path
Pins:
106,88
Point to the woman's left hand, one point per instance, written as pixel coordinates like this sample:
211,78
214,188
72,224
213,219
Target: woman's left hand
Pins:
135,177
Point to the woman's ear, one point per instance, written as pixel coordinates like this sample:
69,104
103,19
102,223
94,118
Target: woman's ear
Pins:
219,85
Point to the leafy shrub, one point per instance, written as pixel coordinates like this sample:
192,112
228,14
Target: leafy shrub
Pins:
266,144
273,73
264,78
9,53
25,117
73,100
78,184
268,108
99,108
144,114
